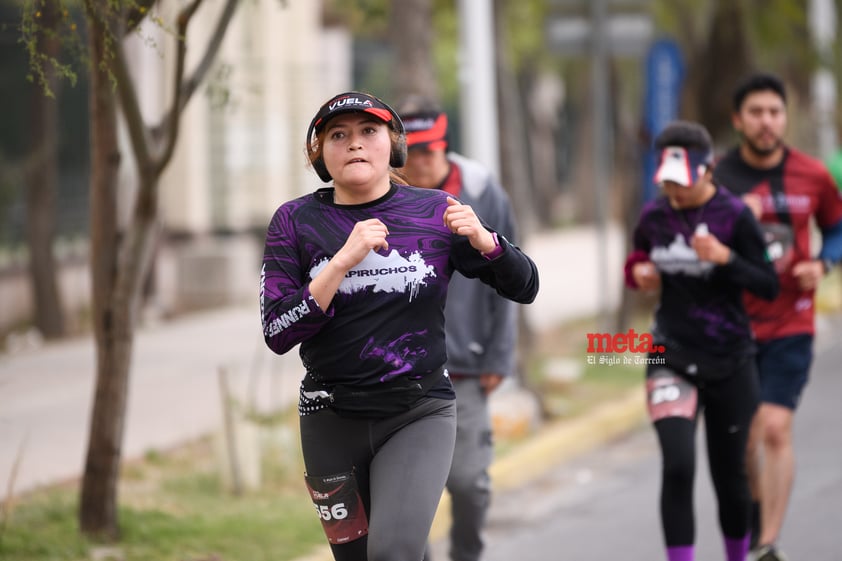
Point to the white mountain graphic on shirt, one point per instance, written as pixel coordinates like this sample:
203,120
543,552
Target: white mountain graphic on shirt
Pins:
390,273
678,257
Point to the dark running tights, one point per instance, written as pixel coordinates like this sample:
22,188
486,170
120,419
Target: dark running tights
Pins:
728,408
401,465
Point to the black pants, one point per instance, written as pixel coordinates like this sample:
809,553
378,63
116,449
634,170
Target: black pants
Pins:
400,464
728,407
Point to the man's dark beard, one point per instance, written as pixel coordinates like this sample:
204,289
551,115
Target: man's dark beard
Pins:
761,152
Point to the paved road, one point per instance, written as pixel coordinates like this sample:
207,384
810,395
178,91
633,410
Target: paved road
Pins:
604,505
45,397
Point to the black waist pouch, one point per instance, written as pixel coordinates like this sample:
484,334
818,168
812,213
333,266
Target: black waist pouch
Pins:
701,366
384,400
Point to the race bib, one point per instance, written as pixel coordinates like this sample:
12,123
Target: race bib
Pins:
339,506
669,395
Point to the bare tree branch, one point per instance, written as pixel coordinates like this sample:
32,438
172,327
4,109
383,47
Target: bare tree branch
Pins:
172,119
192,83
189,86
137,12
131,110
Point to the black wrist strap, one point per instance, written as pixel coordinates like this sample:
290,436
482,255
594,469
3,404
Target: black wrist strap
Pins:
776,186
828,266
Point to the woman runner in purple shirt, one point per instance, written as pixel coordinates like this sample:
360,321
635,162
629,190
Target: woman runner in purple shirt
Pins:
356,275
701,247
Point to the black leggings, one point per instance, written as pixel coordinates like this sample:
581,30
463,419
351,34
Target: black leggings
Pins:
728,406
400,464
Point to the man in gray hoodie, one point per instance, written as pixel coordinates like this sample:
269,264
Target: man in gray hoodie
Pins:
480,326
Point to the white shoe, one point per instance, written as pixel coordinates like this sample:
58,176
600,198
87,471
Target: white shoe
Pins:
767,553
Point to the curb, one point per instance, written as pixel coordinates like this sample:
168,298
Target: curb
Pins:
556,443
564,439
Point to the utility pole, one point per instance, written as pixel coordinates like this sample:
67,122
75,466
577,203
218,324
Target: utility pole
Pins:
478,83
602,152
822,20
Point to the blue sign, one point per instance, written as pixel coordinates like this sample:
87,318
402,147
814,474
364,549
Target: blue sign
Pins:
664,77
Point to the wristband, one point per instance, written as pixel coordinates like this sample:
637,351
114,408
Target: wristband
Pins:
494,253
732,256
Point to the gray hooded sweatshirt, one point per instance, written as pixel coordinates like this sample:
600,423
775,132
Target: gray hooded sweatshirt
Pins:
480,325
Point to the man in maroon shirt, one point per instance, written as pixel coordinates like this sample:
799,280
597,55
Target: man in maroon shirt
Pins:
786,189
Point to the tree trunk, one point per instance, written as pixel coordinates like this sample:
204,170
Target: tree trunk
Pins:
544,101
98,501
411,25
120,263
98,507
515,177
724,60
514,153
41,180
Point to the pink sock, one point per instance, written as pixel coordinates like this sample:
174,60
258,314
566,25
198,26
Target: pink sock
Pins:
736,549
681,553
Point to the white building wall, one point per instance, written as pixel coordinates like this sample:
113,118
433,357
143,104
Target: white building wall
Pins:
233,165
236,163
240,152
300,68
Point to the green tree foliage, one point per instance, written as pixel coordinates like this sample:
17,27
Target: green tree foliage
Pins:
66,31
726,39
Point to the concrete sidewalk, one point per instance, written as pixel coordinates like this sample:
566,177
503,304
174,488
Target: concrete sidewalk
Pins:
174,396
46,392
